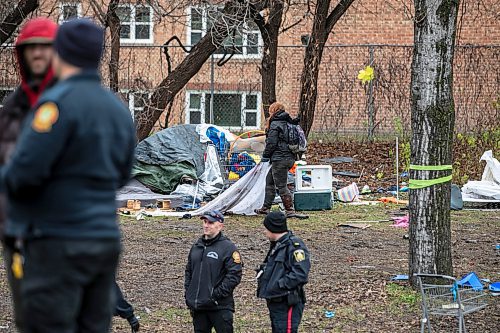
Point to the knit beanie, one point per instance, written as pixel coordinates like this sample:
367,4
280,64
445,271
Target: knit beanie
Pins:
79,42
275,222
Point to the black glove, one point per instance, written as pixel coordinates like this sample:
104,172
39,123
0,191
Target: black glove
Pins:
134,323
264,159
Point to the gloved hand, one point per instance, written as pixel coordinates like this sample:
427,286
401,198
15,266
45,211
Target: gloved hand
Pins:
134,324
264,159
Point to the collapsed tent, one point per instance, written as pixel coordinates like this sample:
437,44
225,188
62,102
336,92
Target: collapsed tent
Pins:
488,188
242,198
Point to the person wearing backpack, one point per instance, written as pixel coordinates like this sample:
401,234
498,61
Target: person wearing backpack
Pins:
282,158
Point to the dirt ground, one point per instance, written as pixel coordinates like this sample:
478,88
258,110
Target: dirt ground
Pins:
351,268
351,271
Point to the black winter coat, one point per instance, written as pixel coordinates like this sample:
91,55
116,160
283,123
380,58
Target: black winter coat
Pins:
277,138
213,271
285,269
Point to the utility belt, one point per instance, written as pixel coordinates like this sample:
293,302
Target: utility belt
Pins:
294,297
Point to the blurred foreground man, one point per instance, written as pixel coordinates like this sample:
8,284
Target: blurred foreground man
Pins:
282,276
34,53
75,150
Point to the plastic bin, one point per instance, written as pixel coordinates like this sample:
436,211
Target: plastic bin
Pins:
309,200
313,178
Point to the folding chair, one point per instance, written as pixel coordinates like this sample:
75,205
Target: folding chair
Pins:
441,296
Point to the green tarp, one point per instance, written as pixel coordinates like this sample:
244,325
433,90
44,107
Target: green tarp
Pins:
163,178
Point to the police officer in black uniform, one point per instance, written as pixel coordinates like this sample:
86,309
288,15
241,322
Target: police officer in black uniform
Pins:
213,271
282,276
75,150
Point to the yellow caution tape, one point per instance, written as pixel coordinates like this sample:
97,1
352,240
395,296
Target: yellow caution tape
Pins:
421,183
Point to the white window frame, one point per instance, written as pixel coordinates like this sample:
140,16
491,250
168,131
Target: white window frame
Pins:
131,100
243,110
203,31
61,10
9,89
133,24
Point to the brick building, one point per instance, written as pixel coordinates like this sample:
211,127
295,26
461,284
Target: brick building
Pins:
376,32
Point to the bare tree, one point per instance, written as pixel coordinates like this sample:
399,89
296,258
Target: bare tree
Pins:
432,117
324,21
231,19
269,30
15,16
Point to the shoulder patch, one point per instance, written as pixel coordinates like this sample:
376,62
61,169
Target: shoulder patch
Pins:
299,255
45,116
236,257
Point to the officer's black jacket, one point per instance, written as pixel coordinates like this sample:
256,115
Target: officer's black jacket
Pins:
62,181
213,270
286,267
276,138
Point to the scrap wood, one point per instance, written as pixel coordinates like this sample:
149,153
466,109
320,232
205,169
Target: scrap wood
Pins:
355,225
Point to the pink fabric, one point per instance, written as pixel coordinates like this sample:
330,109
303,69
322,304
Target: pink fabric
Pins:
401,222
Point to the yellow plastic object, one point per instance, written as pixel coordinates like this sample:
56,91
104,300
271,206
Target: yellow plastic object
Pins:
233,176
256,158
17,265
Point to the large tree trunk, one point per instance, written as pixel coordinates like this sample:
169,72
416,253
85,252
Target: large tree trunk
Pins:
14,18
165,92
432,117
269,32
113,22
322,26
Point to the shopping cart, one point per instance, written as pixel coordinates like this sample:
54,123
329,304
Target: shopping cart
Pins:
238,159
441,296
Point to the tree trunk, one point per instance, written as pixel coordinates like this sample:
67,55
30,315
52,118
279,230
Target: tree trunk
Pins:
322,26
16,17
165,92
270,33
432,118
113,22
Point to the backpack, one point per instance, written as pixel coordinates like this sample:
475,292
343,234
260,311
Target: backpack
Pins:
297,142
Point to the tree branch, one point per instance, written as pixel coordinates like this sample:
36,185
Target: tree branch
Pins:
16,17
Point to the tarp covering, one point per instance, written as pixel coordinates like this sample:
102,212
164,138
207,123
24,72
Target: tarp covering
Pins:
173,145
163,178
241,198
134,190
489,186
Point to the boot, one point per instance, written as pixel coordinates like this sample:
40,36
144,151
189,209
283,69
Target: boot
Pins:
263,210
289,211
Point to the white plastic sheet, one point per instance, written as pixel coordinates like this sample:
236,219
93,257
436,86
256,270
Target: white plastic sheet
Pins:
242,198
489,186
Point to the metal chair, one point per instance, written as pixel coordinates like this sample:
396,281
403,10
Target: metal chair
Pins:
441,296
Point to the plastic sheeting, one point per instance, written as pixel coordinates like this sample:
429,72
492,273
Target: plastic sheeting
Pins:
242,198
489,186
163,178
173,145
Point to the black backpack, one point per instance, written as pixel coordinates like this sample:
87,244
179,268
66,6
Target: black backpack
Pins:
297,142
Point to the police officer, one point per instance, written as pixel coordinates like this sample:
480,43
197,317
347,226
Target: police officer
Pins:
213,271
75,150
282,276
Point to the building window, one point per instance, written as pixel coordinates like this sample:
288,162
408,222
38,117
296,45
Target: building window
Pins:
69,10
245,42
136,23
4,92
135,100
234,110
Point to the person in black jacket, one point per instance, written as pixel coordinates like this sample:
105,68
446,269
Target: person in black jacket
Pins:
34,51
282,276
213,271
282,159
